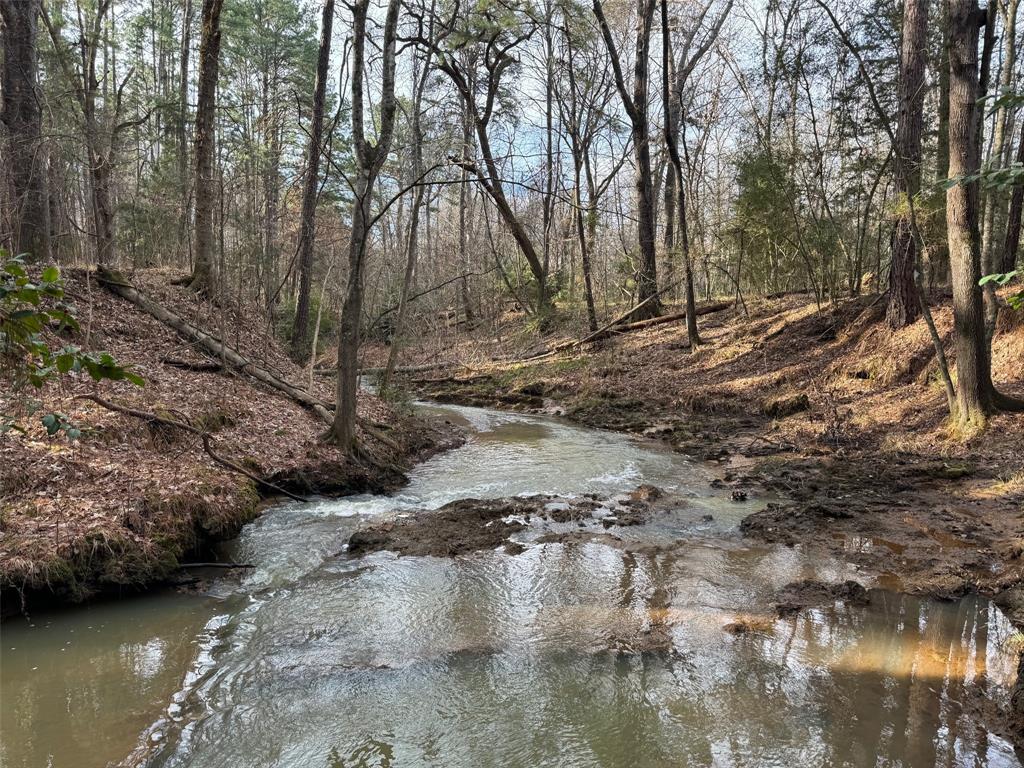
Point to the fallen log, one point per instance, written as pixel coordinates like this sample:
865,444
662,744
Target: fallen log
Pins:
399,369
197,367
707,309
612,329
118,285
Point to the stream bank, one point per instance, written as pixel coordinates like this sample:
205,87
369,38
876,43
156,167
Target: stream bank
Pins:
600,604
825,407
117,511
828,409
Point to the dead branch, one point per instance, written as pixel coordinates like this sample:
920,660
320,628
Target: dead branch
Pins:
117,284
202,434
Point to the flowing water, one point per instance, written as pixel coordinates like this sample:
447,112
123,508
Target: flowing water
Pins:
544,658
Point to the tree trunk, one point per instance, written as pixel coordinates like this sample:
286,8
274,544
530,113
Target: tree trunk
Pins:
271,194
580,160
21,116
974,384
903,305
669,238
647,274
1009,255
205,188
412,248
942,146
672,91
636,109
464,199
103,206
307,231
369,157
989,262
182,132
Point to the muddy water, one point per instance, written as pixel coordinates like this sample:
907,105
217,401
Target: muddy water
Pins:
599,653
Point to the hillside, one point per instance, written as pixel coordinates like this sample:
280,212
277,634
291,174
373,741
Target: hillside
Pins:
119,508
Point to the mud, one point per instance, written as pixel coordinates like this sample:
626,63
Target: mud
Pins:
925,524
472,525
799,595
467,525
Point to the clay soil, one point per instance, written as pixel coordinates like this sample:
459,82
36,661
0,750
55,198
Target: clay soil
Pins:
120,508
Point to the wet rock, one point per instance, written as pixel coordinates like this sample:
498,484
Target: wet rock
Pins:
798,595
659,430
739,495
467,525
746,624
646,492
568,512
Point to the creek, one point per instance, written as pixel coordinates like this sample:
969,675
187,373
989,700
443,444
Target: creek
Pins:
316,658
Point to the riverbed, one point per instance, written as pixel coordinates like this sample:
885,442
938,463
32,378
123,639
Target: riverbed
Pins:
541,658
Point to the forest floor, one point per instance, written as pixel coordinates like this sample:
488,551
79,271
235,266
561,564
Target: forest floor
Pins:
824,409
120,508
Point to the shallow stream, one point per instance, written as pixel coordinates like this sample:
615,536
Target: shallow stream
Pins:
314,658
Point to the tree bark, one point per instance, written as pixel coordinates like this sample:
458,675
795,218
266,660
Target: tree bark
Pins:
977,398
21,117
636,109
1012,241
205,187
311,185
903,306
369,157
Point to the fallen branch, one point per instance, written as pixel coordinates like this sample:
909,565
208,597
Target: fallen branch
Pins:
117,284
202,434
613,328
198,367
707,309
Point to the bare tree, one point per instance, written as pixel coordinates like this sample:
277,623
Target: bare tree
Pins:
993,200
673,89
21,117
101,125
205,187
311,186
491,40
636,107
369,157
421,75
903,306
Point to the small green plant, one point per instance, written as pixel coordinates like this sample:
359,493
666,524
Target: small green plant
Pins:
1016,300
29,309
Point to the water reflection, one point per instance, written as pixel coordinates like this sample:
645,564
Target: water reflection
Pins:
590,656
78,686
656,649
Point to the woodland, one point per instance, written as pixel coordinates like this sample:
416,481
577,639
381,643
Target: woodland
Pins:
244,241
